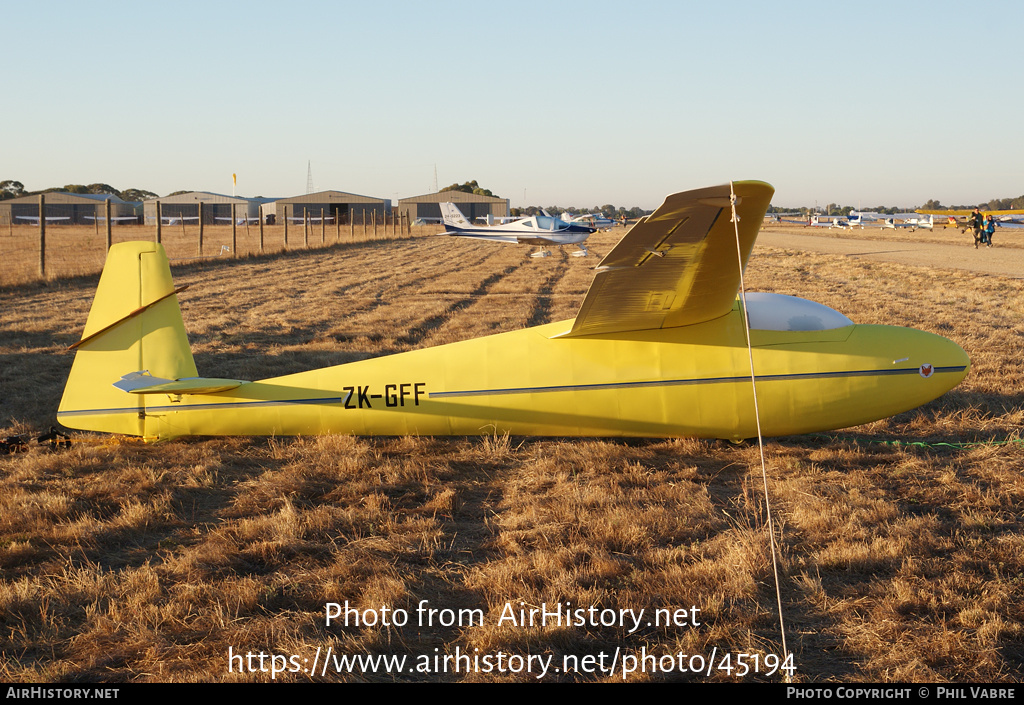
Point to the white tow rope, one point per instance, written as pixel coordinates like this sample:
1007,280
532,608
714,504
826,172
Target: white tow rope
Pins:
757,419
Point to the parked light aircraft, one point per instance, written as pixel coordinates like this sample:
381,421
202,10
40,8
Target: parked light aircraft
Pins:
34,219
542,230
658,349
836,221
786,218
312,219
867,216
173,219
594,220
960,218
910,220
113,219
238,221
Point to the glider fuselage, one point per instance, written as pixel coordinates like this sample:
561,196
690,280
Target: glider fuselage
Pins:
689,381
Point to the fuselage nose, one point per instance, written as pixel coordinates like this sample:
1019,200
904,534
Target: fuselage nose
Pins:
918,365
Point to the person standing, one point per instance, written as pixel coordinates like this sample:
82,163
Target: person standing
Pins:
977,224
990,228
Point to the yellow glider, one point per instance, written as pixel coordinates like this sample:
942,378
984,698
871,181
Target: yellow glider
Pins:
658,349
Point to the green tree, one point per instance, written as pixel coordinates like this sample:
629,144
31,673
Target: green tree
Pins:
11,189
137,194
469,187
104,189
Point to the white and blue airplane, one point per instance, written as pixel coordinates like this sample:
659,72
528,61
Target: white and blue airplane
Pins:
910,220
594,220
541,230
843,222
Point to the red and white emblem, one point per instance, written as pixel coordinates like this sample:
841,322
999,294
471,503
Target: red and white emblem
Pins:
926,371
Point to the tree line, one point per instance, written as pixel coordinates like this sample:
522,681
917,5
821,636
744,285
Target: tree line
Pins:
996,204
15,189
607,210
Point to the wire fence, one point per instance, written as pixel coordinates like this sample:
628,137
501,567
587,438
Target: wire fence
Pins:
31,253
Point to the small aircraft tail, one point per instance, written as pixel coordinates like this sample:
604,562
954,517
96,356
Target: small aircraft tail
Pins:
453,218
134,325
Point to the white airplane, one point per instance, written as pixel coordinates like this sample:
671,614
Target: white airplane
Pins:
786,218
594,220
300,219
239,221
866,216
910,220
173,219
542,230
113,219
35,218
836,221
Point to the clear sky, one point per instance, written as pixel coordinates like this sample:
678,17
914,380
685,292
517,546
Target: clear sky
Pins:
570,103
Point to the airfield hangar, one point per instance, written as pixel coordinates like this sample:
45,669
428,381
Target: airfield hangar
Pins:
471,205
338,205
216,207
69,208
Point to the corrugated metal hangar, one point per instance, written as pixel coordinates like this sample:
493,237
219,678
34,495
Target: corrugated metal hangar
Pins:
216,207
333,204
63,208
471,205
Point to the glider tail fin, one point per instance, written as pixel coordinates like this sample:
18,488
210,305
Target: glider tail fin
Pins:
134,324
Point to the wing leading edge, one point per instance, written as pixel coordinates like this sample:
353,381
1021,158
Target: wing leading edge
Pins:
677,266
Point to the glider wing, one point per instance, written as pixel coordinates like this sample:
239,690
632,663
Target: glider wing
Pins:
677,266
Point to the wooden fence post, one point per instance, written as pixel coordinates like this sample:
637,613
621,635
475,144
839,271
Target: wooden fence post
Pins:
42,236
373,214
364,223
323,228
200,228
286,226
234,232
159,219
110,237
261,228
305,227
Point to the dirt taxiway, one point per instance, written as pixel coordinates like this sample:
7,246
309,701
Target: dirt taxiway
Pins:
919,249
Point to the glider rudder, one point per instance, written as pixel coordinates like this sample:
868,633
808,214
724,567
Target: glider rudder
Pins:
134,325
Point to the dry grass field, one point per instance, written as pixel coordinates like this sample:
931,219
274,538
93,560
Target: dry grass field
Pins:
73,250
901,542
